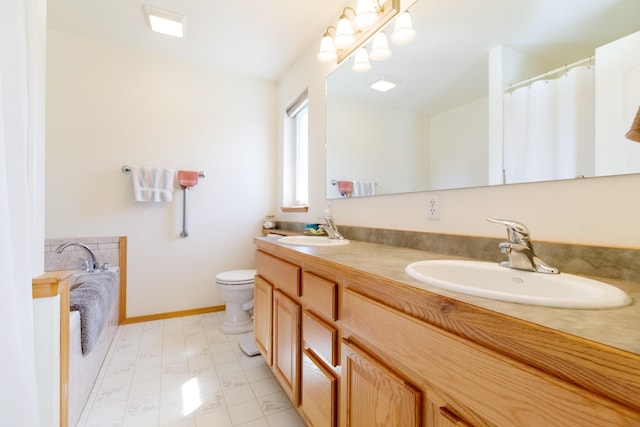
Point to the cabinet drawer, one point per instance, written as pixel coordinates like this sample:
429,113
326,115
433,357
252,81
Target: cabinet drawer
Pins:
321,294
321,337
279,273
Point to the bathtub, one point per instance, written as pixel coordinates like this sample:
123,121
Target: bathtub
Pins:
84,368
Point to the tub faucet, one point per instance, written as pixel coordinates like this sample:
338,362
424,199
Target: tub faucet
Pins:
91,264
331,229
520,249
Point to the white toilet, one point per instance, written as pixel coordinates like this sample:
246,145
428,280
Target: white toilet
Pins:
236,289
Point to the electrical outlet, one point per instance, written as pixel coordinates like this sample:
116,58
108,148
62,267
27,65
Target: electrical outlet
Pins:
433,207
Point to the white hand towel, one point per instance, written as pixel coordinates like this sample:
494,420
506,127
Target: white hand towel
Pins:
364,188
152,184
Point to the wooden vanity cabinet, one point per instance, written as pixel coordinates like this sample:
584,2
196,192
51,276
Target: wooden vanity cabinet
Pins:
463,383
352,349
297,332
277,313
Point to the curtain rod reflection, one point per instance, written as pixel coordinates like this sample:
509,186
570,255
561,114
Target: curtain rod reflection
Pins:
550,74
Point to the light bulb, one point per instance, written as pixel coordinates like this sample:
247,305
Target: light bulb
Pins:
366,14
403,31
380,47
361,62
327,51
344,33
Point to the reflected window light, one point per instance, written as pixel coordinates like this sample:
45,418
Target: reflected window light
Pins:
190,396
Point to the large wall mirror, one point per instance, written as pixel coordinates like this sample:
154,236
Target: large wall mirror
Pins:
444,125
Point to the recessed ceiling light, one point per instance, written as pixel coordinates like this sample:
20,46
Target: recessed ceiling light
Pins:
383,84
164,22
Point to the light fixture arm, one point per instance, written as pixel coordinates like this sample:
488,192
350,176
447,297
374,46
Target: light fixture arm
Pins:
343,15
327,32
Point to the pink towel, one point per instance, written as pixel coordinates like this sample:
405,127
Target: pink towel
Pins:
345,187
187,178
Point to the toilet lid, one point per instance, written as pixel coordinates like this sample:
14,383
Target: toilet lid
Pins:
236,277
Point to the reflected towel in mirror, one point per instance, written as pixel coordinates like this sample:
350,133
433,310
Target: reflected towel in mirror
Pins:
345,188
364,188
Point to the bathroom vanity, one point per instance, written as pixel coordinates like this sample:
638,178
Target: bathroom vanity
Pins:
355,341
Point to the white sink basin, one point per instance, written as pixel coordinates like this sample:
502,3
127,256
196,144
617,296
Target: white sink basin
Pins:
311,241
489,280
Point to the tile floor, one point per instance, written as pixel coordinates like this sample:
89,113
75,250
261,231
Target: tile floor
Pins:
184,372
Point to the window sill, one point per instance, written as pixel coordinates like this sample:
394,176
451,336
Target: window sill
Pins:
294,208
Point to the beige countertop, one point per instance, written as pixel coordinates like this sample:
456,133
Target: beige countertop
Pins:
617,327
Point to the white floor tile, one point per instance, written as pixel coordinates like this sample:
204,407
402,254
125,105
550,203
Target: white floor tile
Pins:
245,412
219,418
184,372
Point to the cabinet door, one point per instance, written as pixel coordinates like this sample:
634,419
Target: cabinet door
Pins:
262,317
286,343
319,392
376,395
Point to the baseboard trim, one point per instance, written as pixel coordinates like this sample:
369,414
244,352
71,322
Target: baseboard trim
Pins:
160,316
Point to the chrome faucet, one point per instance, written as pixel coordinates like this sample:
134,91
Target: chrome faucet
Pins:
331,229
90,264
520,249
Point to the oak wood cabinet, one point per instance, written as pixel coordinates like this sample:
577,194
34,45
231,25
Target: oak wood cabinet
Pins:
467,384
355,349
277,320
286,344
321,334
263,314
376,395
319,392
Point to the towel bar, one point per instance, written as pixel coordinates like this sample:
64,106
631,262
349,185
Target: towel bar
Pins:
127,169
334,182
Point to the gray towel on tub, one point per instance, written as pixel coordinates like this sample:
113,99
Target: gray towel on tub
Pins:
93,298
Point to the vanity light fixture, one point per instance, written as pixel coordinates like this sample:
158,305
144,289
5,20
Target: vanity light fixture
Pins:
383,84
354,27
361,62
403,31
164,22
370,16
634,132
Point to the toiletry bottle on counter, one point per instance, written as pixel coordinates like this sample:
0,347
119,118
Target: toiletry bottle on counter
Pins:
269,222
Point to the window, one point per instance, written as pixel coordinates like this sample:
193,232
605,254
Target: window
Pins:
296,153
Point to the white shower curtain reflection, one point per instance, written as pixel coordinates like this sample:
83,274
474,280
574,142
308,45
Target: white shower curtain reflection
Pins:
18,395
549,130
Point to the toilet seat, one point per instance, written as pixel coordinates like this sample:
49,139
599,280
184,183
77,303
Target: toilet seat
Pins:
236,277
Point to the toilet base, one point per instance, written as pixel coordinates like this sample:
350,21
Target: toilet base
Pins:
236,320
234,328
248,346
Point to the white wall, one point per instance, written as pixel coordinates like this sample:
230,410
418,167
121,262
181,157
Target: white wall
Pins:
109,106
459,146
598,211
360,145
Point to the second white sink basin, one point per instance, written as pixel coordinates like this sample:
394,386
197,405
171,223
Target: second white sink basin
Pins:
489,280
311,241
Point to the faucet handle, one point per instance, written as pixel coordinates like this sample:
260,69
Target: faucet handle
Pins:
514,228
